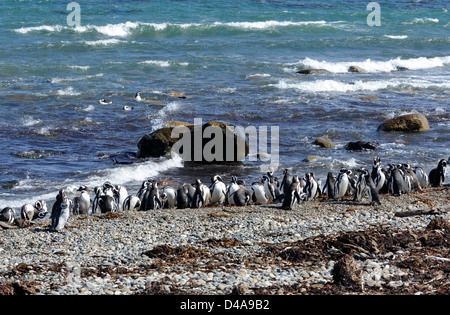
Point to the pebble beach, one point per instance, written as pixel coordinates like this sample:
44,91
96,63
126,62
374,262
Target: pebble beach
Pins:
219,250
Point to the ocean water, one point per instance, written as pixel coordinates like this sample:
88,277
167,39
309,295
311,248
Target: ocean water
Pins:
235,61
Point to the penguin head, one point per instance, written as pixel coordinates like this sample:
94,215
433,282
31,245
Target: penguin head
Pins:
443,163
83,188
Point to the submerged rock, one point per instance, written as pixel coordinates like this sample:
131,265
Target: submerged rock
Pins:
406,123
313,71
360,145
356,69
324,142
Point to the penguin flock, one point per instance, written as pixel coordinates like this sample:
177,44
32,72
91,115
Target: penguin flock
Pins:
394,179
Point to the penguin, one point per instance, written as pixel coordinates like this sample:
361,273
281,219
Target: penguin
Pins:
202,194
152,198
60,211
242,196
360,185
232,188
127,108
292,196
311,189
107,203
412,180
143,189
270,188
137,97
7,215
120,194
98,191
422,177
378,175
328,188
169,197
342,183
370,189
105,102
30,212
396,182
259,196
131,203
185,196
285,182
82,203
437,175
218,190
108,189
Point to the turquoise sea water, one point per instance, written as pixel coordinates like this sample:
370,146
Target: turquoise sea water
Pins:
235,62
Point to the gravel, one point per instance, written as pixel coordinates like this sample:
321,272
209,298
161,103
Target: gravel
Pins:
212,250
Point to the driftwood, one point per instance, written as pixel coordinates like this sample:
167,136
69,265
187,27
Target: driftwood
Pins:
402,214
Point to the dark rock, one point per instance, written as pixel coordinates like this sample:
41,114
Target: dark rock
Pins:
406,123
161,142
346,272
313,71
360,145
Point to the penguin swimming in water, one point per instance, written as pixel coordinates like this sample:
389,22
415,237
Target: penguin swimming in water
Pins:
342,183
328,188
218,190
60,212
105,102
137,97
82,203
7,215
131,203
202,194
30,212
185,196
437,175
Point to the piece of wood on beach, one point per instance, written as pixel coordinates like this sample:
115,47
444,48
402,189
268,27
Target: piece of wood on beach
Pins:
403,214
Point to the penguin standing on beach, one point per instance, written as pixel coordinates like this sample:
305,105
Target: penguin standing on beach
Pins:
120,194
422,177
232,188
259,196
328,188
152,198
95,204
82,203
312,187
202,194
7,215
169,197
185,196
378,175
30,212
360,185
396,182
132,202
218,190
437,175
411,178
292,195
60,212
270,188
342,183
242,196
370,188
286,182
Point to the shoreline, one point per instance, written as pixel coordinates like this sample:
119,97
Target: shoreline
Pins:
223,250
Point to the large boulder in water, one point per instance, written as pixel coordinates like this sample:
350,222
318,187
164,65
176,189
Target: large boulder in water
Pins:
212,142
406,123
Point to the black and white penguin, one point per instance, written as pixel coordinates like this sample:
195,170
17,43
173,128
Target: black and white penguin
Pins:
7,215
137,97
270,188
30,212
185,196
371,189
120,193
378,174
152,198
60,211
169,197
242,196
422,177
328,188
259,196
293,195
232,188
98,191
127,108
396,182
286,182
104,102
131,203
108,189
202,194
106,203
82,203
411,178
360,185
218,190
342,184
437,175
312,187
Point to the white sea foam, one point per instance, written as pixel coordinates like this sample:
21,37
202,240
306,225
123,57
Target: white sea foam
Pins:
84,68
360,85
160,116
269,24
258,76
396,36
372,65
164,63
67,91
103,42
74,79
425,20
47,28
29,121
